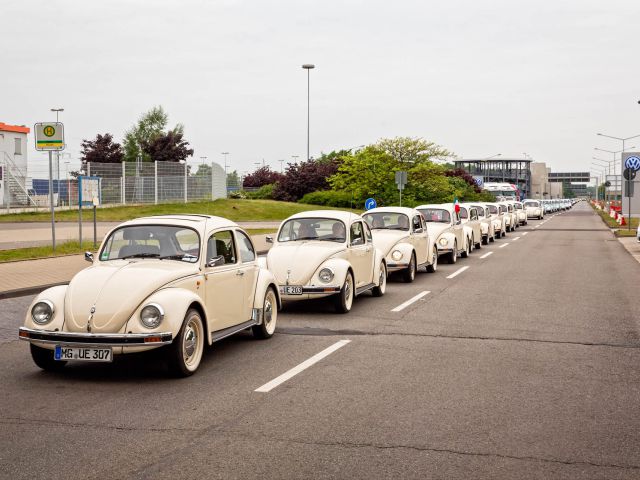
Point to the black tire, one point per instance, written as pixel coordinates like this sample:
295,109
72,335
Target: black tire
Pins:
453,256
434,261
43,358
379,290
189,342
478,245
493,239
343,301
467,251
269,316
409,273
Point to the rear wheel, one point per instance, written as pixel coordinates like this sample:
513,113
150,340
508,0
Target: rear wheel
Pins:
409,273
269,316
344,300
434,261
467,250
453,256
185,352
43,358
382,282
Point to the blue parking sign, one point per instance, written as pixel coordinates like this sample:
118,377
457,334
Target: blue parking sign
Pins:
370,203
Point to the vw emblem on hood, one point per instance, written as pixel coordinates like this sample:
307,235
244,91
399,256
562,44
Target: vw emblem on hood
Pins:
91,312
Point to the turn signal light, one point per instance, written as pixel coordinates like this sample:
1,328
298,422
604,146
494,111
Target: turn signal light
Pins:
152,340
23,334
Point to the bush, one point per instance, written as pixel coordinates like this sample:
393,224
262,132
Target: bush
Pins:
263,193
329,198
238,194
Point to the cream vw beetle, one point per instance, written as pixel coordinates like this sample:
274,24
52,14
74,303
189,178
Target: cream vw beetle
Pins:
498,218
444,225
534,209
472,225
180,281
401,235
326,252
487,224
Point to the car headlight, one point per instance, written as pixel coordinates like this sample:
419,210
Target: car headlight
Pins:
396,255
443,242
151,315
42,312
325,275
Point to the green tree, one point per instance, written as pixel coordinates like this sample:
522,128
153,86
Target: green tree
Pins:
233,179
149,126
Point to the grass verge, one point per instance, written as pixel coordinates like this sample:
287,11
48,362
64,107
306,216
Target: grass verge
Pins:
611,222
233,209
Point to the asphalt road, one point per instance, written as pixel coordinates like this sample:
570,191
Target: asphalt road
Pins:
524,365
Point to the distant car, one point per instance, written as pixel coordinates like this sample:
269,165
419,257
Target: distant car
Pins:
487,225
510,218
326,253
445,226
534,209
499,219
471,221
520,212
179,282
401,235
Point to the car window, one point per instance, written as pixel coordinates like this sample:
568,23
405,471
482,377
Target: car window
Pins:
245,247
463,213
222,244
367,232
152,241
473,214
387,221
356,234
417,223
435,215
493,209
324,229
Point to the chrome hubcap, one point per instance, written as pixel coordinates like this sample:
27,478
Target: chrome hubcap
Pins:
190,338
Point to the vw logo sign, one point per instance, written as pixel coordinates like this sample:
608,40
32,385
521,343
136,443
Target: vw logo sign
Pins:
370,203
632,163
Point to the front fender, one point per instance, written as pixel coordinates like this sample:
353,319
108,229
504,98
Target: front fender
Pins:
56,296
265,280
405,248
175,302
340,267
451,238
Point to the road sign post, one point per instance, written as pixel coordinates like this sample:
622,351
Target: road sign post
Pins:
401,181
631,165
49,137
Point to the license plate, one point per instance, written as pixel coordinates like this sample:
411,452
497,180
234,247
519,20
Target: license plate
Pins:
83,354
292,290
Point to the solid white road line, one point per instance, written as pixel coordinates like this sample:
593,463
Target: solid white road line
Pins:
486,254
524,233
457,272
267,387
514,239
503,245
404,305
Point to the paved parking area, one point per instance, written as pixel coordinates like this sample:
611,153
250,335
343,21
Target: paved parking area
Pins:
521,365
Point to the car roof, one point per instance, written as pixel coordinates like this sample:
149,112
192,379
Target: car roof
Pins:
346,217
440,206
406,210
199,222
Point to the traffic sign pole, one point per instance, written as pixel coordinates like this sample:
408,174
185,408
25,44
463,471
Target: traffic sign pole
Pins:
53,224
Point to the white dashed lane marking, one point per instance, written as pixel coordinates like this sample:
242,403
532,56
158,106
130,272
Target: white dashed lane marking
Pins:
458,272
404,305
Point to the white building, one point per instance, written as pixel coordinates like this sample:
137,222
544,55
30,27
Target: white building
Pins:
13,165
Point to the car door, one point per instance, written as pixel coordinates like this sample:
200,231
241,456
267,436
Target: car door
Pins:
457,229
360,254
224,282
419,239
249,268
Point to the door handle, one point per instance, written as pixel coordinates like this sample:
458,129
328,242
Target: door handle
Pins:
240,273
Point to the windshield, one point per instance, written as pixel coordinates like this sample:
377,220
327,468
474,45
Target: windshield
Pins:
531,204
503,209
517,206
387,221
435,215
463,213
326,229
480,210
493,209
152,241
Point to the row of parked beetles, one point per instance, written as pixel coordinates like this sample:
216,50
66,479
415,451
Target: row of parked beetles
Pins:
182,282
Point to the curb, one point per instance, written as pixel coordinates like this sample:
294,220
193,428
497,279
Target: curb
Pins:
22,292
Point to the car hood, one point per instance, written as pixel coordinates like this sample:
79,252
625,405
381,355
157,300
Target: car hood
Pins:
384,240
298,260
435,229
115,289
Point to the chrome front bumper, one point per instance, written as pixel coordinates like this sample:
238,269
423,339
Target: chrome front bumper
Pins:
95,339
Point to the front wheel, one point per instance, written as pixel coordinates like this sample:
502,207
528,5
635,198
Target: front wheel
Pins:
344,300
434,261
453,256
269,316
409,273
467,251
43,358
185,353
379,290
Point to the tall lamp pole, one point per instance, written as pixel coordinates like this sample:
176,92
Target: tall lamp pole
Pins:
308,67
226,187
57,110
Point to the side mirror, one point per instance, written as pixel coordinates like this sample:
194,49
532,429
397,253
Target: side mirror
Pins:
216,261
458,222
88,256
269,239
418,230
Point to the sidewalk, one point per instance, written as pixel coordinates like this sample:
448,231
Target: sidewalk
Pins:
632,245
32,276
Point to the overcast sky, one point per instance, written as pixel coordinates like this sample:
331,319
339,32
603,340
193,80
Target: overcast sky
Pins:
477,77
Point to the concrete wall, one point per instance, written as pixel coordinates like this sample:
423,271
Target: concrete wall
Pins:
8,145
539,180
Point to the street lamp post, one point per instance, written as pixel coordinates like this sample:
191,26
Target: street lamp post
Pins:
308,67
226,187
281,165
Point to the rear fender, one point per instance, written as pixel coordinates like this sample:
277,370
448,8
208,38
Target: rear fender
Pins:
264,282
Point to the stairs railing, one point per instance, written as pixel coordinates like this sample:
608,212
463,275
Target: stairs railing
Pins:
16,181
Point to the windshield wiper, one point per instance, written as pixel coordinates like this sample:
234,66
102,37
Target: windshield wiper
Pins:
307,238
334,239
178,256
141,255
